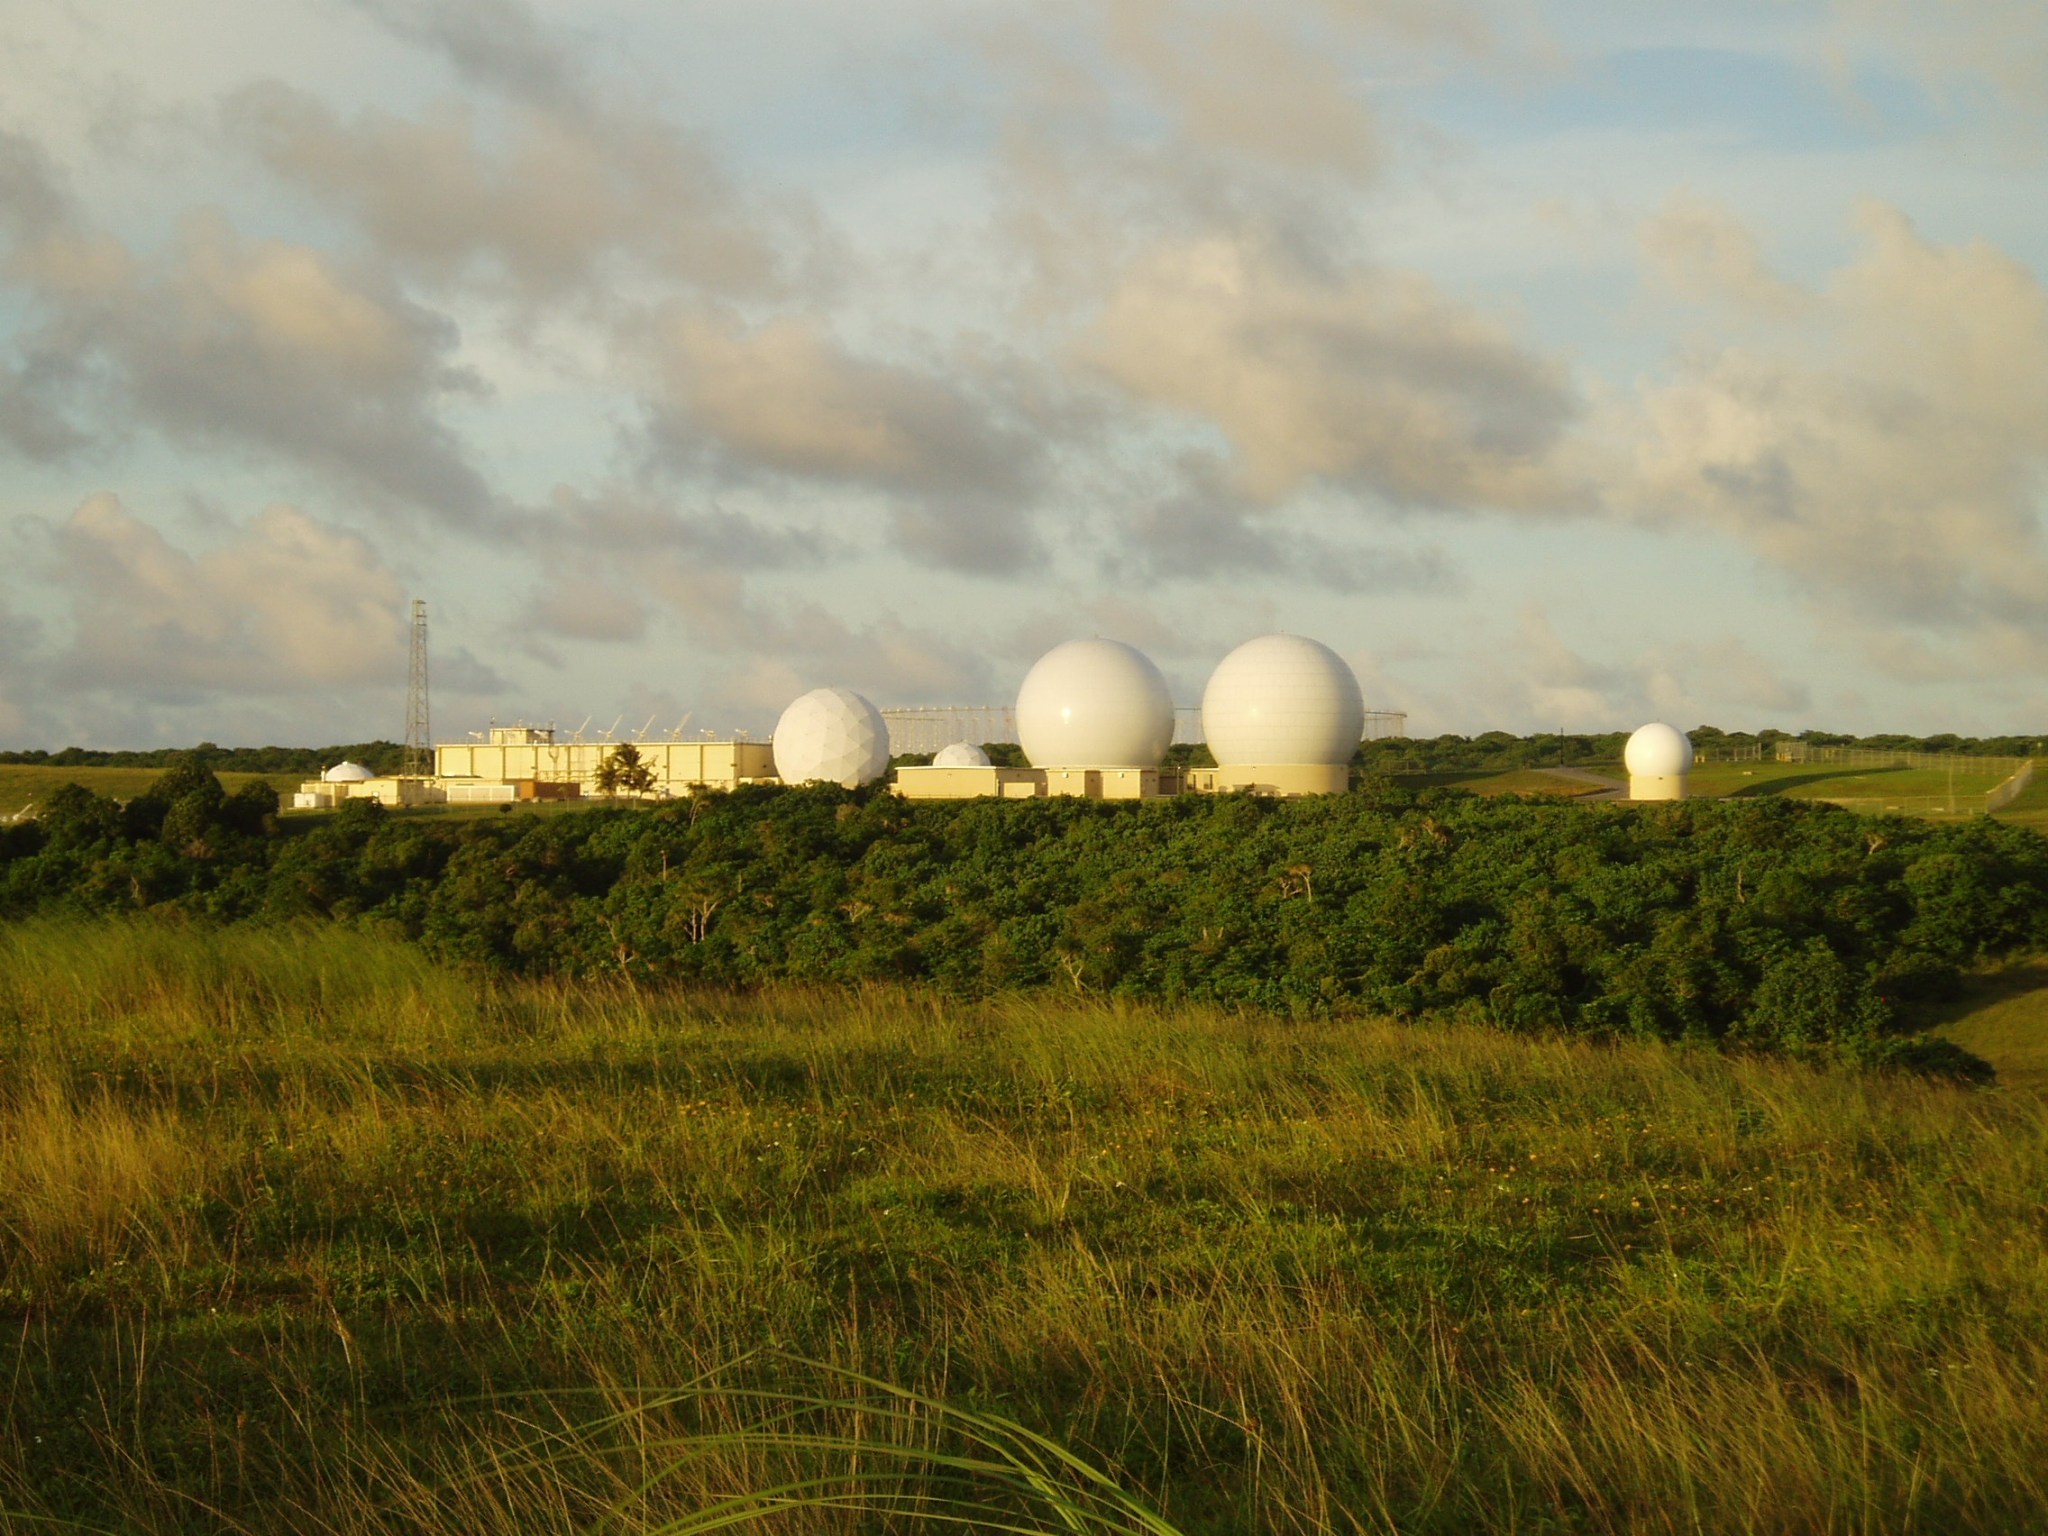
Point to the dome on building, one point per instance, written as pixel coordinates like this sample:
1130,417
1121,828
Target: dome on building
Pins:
347,773
1282,699
960,754
831,736
1094,704
1658,751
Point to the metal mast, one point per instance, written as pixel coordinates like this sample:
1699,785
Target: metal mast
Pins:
419,739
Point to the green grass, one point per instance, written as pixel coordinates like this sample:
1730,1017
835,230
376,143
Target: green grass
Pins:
1512,781
1829,781
29,783
300,1233
2003,1017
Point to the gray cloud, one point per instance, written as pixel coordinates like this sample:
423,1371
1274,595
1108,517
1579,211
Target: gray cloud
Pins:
1888,450
1205,529
1362,378
220,340
568,185
785,399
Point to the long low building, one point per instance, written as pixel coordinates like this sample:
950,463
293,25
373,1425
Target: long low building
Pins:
515,754
527,762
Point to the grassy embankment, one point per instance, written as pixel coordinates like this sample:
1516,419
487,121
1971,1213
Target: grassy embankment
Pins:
31,784
298,1232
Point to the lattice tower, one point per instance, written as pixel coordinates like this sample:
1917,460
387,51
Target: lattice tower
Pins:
419,737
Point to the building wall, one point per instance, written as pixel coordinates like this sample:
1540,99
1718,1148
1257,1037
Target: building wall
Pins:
677,765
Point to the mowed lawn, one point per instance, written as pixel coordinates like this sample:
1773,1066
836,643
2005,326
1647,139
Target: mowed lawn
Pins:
298,1232
1831,781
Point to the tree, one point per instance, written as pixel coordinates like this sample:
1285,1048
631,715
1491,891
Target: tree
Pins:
623,772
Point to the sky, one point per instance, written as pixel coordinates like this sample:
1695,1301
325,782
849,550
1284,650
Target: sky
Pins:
1562,366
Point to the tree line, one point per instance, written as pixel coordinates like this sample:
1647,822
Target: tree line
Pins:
1766,924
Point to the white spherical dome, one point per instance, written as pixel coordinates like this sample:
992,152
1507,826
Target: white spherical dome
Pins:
347,773
831,736
1658,751
1094,704
960,754
1282,699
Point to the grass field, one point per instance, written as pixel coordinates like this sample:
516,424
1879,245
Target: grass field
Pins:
31,784
1827,781
299,1233
1514,781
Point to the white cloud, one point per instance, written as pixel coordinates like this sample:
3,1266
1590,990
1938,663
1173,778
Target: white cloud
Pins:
1358,377
287,605
1889,450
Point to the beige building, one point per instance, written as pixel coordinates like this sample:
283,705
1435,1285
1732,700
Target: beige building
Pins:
1038,783
530,754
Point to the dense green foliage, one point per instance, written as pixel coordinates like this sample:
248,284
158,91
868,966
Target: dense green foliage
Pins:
301,1232
377,756
1770,924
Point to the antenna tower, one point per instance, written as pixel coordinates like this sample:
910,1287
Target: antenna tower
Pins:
419,741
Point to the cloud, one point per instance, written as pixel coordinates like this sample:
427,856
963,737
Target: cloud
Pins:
785,399
264,345
1204,528
1999,43
540,176
1699,249
1889,451
548,205
1362,378
288,604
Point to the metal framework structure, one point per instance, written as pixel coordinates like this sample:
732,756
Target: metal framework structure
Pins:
419,736
927,727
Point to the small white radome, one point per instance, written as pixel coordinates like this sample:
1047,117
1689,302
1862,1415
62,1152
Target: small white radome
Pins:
347,773
831,736
1658,751
960,754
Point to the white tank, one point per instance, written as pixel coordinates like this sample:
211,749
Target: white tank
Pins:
1659,761
960,754
1094,704
831,736
1282,700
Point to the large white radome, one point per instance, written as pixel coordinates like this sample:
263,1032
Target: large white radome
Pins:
831,736
1282,699
1094,704
1658,751
960,754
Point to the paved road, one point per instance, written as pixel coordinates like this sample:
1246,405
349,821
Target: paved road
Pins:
1609,788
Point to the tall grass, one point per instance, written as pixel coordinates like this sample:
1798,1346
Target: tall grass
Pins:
297,1232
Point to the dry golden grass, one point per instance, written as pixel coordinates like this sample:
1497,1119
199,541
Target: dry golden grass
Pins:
299,1233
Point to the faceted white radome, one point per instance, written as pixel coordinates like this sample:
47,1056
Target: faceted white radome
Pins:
1094,704
347,773
831,736
960,754
1282,700
1658,751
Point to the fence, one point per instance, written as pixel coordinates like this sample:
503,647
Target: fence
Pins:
1969,803
927,727
1878,757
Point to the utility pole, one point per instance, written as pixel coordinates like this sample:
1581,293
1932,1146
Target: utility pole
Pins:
419,740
